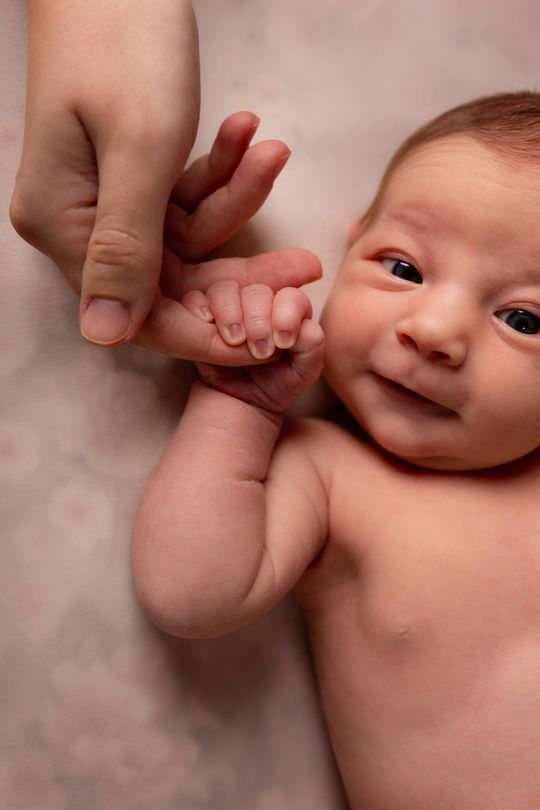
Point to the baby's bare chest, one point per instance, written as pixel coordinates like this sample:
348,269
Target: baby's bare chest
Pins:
435,584
436,558
425,624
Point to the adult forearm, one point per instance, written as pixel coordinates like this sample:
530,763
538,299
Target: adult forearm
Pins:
199,539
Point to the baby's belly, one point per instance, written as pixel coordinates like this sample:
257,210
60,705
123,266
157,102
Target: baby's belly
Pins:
429,718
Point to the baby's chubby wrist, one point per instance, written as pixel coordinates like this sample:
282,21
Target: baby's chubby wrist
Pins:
223,409
232,434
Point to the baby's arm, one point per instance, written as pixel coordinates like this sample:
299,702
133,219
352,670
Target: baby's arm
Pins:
227,526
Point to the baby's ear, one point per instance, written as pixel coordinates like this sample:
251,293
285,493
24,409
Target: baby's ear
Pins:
355,229
359,226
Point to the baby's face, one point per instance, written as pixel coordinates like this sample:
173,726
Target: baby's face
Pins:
433,325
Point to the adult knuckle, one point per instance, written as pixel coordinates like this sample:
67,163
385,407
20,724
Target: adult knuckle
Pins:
149,132
26,216
117,246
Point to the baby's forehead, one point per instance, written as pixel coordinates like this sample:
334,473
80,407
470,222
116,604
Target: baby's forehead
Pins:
456,198
459,178
454,158
407,172
462,159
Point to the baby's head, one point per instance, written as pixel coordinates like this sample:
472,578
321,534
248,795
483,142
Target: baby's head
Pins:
433,324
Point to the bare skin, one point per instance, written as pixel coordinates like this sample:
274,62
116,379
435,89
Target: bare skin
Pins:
424,621
409,534
111,115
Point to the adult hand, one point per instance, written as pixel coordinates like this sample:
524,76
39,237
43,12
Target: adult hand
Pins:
211,202
112,112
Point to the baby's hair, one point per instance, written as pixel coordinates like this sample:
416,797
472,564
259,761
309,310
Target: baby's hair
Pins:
507,123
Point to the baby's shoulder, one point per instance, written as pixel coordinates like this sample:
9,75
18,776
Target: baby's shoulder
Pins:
317,437
312,429
332,448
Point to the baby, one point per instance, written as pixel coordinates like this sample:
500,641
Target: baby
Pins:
410,530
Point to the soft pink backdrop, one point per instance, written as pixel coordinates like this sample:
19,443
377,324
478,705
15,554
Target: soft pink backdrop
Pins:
100,711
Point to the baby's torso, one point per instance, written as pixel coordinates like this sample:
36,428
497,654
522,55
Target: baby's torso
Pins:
424,618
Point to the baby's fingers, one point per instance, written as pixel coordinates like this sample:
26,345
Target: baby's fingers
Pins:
286,379
257,310
224,301
197,303
306,358
290,308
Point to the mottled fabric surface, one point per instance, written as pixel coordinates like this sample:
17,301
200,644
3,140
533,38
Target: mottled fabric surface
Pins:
99,710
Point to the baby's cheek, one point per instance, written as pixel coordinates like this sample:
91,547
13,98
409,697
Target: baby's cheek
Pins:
348,336
341,355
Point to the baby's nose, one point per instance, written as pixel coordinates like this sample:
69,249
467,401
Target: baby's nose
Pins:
440,336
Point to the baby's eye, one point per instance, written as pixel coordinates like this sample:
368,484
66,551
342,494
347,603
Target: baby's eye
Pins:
520,320
402,269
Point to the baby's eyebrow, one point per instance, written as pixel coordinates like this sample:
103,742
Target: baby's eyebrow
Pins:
528,274
416,220
412,218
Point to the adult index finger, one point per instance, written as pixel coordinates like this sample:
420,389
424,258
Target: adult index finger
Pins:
292,267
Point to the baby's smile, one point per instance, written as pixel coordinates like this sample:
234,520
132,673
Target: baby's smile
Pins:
432,325
402,392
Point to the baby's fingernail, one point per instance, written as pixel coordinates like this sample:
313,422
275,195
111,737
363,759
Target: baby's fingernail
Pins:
105,321
206,314
261,349
236,332
283,339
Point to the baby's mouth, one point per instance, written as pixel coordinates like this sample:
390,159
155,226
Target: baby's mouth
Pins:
409,394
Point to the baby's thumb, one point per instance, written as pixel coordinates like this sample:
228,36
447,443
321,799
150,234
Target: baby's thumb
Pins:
307,355
123,260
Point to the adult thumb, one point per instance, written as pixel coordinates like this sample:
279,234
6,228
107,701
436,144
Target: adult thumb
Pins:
120,277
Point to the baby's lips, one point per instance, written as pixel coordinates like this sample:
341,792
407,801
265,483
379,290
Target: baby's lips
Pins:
433,396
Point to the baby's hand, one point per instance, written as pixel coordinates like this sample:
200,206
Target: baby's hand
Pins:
267,321
252,314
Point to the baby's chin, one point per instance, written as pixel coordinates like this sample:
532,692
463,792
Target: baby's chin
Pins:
430,456
441,462
426,458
